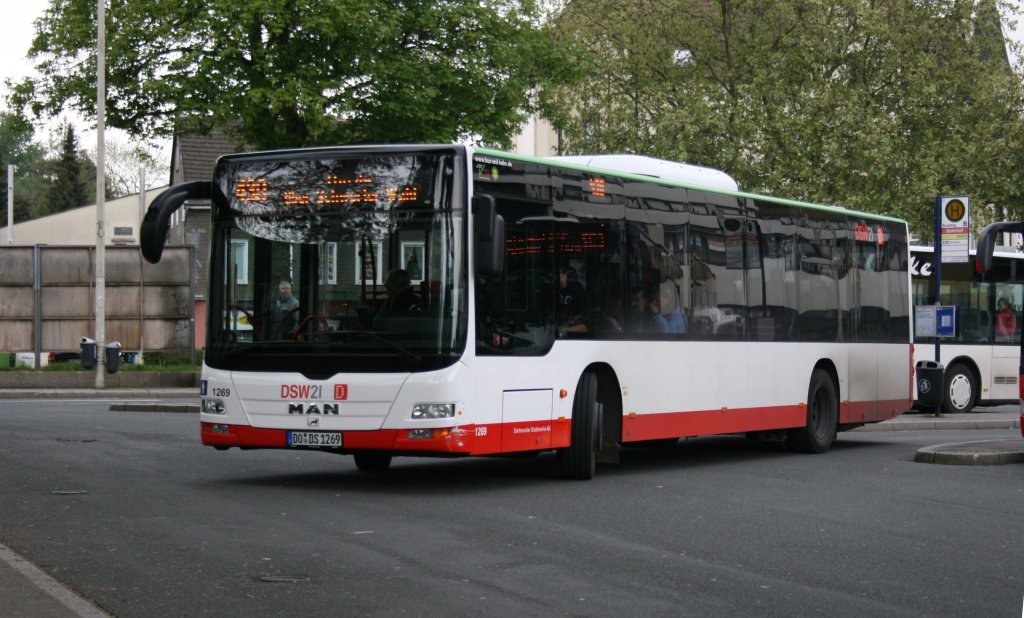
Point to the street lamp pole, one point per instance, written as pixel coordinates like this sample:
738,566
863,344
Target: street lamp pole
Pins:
10,204
101,257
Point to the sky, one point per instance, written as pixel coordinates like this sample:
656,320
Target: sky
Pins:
16,32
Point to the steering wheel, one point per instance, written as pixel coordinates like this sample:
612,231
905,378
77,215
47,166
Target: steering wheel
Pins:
248,315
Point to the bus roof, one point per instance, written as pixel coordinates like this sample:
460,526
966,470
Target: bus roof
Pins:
613,165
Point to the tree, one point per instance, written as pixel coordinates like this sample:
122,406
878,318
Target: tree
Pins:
18,149
125,164
874,105
281,73
68,189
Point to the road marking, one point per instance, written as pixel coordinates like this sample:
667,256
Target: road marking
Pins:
61,593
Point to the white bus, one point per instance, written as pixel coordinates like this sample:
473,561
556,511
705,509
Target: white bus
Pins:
983,359
554,305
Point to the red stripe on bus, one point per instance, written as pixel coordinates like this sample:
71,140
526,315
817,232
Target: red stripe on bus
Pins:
543,435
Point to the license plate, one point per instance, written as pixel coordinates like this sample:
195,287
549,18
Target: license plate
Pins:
314,438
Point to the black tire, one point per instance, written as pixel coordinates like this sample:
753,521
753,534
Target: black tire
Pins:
372,462
579,461
822,417
960,390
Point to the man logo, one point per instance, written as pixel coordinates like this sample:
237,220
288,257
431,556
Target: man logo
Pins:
312,408
313,421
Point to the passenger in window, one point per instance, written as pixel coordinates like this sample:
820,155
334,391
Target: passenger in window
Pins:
675,321
284,312
609,324
572,302
645,313
401,296
1006,320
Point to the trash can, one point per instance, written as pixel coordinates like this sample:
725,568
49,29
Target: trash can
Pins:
113,356
930,378
88,348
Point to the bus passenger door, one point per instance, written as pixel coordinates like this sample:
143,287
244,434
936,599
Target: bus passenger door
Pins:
526,420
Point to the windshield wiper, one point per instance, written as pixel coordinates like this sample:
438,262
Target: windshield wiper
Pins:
258,346
318,339
406,353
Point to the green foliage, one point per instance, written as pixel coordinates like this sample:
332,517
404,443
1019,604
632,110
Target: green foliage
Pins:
299,72
874,105
17,148
170,358
68,188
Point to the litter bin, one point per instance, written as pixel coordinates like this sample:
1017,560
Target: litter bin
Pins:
113,356
930,378
88,348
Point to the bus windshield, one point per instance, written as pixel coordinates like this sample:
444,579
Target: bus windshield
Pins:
332,262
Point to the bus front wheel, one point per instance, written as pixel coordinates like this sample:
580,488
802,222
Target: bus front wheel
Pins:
822,415
961,390
579,461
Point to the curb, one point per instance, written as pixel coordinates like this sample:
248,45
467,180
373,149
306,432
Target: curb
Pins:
983,453
940,424
155,407
95,393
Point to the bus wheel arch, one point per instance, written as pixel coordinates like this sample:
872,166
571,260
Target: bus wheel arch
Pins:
960,387
596,427
610,396
822,420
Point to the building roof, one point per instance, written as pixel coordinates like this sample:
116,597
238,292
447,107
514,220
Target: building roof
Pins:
195,155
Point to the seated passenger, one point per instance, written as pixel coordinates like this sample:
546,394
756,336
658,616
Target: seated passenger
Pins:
401,296
572,302
645,315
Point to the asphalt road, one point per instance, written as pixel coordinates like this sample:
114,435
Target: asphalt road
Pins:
128,510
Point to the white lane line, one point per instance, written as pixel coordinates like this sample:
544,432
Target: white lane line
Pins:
61,593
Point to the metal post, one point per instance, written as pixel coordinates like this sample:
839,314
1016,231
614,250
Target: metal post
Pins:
937,266
142,265
101,114
37,303
10,204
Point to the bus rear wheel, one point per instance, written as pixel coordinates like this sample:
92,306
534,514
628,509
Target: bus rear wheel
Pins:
372,462
579,461
822,416
961,390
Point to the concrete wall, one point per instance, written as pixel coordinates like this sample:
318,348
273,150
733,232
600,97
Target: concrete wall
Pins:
48,300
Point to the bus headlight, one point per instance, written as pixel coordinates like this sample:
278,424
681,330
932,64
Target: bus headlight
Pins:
212,406
433,410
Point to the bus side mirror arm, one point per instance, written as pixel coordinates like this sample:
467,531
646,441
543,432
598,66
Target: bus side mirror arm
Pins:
156,223
488,237
987,242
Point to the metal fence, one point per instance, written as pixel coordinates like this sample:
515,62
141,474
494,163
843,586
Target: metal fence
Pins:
48,299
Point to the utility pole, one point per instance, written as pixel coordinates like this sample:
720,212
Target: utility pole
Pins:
101,254
10,204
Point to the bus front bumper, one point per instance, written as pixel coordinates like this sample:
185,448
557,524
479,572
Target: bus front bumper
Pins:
448,440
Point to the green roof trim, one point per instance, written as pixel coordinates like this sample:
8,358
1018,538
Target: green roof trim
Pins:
674,183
